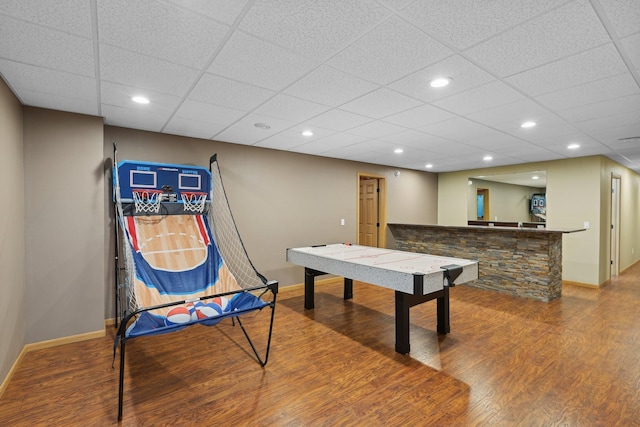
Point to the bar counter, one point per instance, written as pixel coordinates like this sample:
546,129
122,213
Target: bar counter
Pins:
524,262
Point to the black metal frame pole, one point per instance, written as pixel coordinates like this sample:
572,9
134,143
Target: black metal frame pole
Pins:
121,385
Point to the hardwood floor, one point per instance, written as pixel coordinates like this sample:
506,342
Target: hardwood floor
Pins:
507,362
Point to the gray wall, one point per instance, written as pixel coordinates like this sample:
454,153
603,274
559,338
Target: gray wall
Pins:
12,272
64,224
280,199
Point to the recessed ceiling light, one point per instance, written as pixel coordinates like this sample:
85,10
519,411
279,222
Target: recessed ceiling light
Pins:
487,158
573,146
528,125
307,133
398,150
140,99
262,126
428,166
440,82
535,177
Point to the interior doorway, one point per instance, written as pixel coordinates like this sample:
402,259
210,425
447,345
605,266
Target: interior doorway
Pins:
615,225
371,210
482,204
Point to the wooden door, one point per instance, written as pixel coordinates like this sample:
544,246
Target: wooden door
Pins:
369,213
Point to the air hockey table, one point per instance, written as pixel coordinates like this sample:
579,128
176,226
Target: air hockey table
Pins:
415,278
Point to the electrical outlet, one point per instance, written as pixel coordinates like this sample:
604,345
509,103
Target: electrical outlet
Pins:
586,225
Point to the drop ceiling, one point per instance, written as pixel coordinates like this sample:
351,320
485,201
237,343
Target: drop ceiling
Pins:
356,73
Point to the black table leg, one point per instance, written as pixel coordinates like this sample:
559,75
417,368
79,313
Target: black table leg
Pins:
402,323
309,278
348,288
405,301
444,325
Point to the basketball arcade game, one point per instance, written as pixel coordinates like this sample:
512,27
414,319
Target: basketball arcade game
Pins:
183,262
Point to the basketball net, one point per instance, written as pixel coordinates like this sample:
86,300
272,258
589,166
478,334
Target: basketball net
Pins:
193,202
147,201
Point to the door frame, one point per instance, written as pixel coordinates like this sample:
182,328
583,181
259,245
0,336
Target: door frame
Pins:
614,235
382,206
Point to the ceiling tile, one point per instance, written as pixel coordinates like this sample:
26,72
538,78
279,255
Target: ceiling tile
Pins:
331,142
221,10
612,121
376,129
248,59
202,111
511,116
465,75
314,29
483,97
612,135
118,95
367,150
329,86
69,16
49,82
563,141
459,129
545,129
632,49
419,116
293,138
561,32
602,109
600,90
380,103
161,30
193,128
136,117
390,51
409,138
464,23
35,45
144,72
624,15
57,102
291,108
244,130
229,93
339,120
593,64
531,153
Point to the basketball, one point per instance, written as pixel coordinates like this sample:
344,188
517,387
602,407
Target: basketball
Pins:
193,309
208,310
177,315
222,302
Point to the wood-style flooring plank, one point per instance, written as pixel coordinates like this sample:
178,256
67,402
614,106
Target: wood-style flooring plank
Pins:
507,362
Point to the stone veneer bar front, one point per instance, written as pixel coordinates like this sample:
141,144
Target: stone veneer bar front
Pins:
524,262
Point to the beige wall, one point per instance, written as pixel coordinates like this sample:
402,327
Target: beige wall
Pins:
12,250
281,199
577,192
64,224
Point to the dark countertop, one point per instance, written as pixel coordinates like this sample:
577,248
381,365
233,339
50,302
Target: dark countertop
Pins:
495,229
